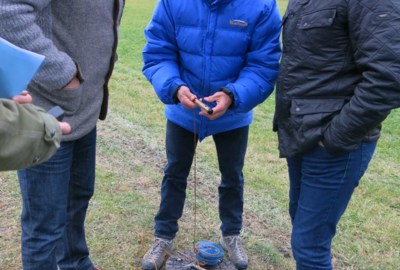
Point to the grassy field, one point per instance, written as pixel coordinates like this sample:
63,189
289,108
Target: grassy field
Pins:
129,171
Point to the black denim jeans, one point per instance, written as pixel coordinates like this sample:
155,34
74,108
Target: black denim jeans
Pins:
231,149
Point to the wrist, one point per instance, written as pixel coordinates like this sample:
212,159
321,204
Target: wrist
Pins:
73,83
229,93
76,80
177,87
175,95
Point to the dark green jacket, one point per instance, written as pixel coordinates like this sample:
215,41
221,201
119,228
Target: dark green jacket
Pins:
28,135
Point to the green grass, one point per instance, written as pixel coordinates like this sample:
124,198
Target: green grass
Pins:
129,171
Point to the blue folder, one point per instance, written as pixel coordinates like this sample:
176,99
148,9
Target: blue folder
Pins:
17,68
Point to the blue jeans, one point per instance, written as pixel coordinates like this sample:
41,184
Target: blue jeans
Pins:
180,145
55,199
321,186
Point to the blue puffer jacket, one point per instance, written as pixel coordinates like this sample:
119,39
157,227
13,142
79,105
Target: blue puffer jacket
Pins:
209,44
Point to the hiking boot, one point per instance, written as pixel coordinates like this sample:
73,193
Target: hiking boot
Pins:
154,257
233,245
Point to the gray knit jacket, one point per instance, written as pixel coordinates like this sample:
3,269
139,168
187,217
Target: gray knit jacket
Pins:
77,38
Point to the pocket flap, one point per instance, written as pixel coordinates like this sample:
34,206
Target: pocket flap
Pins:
311,106
322,18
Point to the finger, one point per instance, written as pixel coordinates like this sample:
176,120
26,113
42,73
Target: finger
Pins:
187,103
211,116
204,112
184,93
23,98
65,127
211,98
219,108
192,97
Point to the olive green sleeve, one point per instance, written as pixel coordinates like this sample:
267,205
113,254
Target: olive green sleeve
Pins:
28,135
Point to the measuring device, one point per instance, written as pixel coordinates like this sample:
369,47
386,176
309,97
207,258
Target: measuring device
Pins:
203,106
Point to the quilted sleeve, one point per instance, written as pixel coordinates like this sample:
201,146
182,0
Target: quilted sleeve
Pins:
374,29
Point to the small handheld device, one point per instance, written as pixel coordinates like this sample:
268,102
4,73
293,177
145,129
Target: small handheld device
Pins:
57,112
203,106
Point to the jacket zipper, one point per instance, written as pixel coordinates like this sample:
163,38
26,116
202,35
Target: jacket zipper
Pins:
104,105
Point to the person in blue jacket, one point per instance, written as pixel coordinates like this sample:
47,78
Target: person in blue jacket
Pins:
225,53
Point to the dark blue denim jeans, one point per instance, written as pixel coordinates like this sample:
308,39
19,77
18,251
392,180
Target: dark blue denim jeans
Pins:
55,199
321,186
180,145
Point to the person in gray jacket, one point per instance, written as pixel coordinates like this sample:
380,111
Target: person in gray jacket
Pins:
78,39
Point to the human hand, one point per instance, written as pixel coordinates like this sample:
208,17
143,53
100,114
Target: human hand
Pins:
223,102
24,97
73,84
186,97
65,127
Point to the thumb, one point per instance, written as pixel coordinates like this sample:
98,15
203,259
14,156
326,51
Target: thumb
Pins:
191,96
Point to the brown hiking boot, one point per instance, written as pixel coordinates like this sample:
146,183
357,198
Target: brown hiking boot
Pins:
233,245
155,256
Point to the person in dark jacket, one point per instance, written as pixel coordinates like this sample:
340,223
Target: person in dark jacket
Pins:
226,53
339,79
